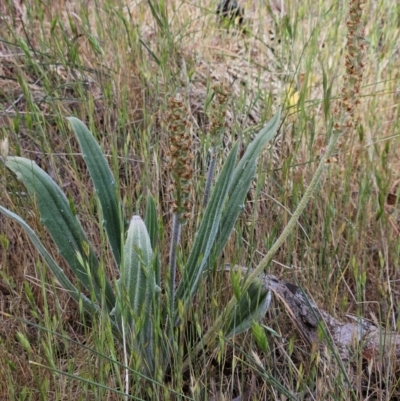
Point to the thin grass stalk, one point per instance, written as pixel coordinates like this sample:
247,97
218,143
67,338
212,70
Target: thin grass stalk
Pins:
126,397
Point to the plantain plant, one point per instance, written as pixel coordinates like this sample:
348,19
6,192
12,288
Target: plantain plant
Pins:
133,301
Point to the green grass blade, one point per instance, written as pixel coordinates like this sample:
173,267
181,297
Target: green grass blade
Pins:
104,184
59,274
152,54
158,15
151,222
207,232
242,178
63,226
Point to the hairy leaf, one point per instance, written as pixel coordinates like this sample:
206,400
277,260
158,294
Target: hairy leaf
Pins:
242,177
207,232
136,288
63,226
104,184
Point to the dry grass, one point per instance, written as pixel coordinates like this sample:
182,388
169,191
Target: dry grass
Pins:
88,59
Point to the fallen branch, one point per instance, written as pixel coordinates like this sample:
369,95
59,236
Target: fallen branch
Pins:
378,347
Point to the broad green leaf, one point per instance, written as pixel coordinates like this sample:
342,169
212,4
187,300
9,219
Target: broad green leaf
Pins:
63,226
251,308
244,174
59,274
136,288
104,184
137,276
207,232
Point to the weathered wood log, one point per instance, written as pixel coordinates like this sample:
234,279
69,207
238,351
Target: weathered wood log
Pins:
378,347
356,334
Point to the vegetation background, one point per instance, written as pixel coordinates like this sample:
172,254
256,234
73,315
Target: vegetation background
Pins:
114,64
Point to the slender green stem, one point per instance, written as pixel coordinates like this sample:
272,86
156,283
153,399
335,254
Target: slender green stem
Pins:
268,257
125,359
